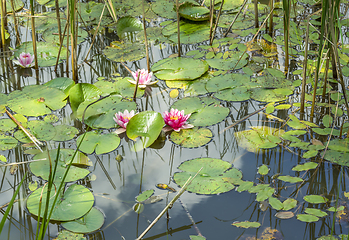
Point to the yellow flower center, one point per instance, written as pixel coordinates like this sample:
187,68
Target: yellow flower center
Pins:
173,118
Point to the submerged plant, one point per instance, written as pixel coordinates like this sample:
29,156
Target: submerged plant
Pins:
25,60
144,78
122,119
176,120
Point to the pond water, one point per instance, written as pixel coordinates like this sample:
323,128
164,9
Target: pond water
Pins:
116,178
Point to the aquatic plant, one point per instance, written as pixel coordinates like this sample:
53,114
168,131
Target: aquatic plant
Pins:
122,119
25,60
176,120
144,78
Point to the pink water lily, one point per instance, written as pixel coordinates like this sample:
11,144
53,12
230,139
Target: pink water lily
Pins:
25,60
144,78
122,120
176,120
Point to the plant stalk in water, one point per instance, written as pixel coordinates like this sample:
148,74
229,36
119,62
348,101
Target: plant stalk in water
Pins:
178,29
33,34
212,34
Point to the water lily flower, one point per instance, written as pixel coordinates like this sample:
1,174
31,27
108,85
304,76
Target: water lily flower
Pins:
144,78
176,120
122,120
25,60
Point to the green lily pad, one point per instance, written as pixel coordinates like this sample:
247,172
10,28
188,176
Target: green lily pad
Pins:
289,203
147,125
101,143
7,125
338,152
179,68
290,179
92,221
64,235
315,199
247,224
101,113
51,118
82,92
64,133
7,142
305,166
18,5
125,51
190,32
211,178
46,53
204,111
36,100
192,138
62,83
315,212
263,170
227,64
267,95
120,86
193,237
259,137
144,195
194,12
76,201
307,218
42,168
275,203
127,25
237,94
166,8
40,129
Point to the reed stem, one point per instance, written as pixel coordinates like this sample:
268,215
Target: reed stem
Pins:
178,29
217,20
145,38
236,16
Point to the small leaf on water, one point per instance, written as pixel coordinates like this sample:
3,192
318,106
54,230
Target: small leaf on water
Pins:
263,205
3,158
244,186
33,186
275,203
263,170
153,199
315,212
290,179
174,93
284,215
247,224
333,209
289,203
307,218
315,199
310,153
144,195
193,237
138,208
346,194
305,166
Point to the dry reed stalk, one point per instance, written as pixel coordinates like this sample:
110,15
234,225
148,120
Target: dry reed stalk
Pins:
217,20
178,30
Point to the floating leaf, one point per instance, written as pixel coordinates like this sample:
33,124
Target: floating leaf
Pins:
147,125
64,133
42,168
62,83
310,153
190,32
192,237
289,203
210,179
327,120
153,199
305,166
36,100
263,170
174,93
284,215
51,118
315,199
338,152
144,195
315,212
247,224
275,203
82,92
191,138
259,137
7,142
138,208
179,68
76,201
244,186
124,51
194,12
127,25
290,179
204,111
3,158
64,235
101,143
307,218
92,221
7,125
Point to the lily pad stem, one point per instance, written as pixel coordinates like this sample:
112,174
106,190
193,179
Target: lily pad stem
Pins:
190,179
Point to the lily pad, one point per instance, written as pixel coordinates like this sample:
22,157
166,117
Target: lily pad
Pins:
305,166
82,92
76,201
179,68
64,133
289,203
315,212
166,8
7,124
190,32
284,215
64,235
315,199
46,53
204,111
194,12
101,113
267,95
259,138
7,142
307,218
125,51
42,168
290,179
192,138
36,100
144,195
247,224
62,83
338,152
101,143
128,25
147,125
40,129
120,86
92,221
211,178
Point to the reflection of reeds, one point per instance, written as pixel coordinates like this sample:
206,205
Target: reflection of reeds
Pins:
178,29
73,38
286,12
3,18
33,33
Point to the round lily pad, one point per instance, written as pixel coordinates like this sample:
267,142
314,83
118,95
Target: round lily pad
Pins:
7,142
338,152
190,32
120,86
62,83
64,235
81,92
101,113
7,124
267,95
127,25
315,199
192,138
307,218
42,168
42,130
124,52
36,100
90,222
166,8
194,12
259,137
46,53
101,143
76,201
179,68
204,111
210,179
